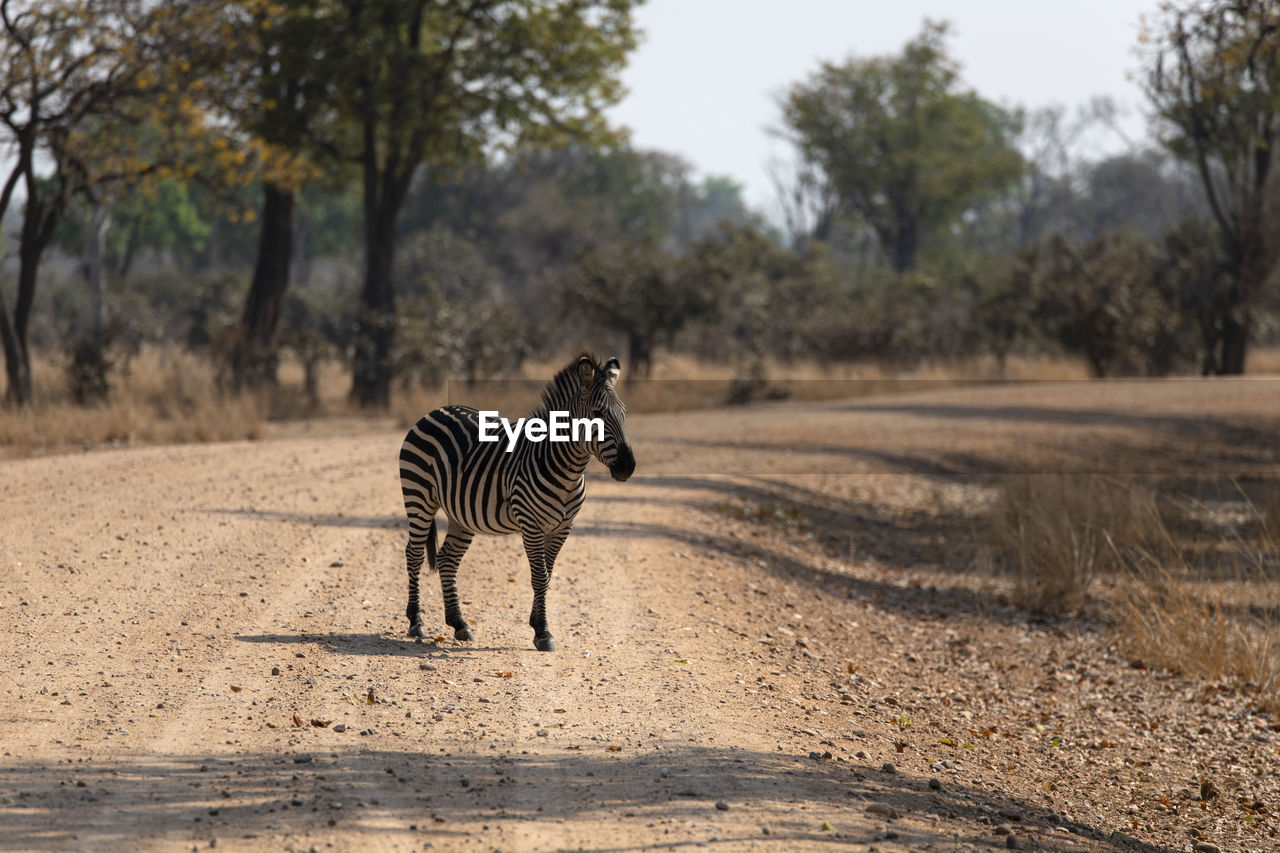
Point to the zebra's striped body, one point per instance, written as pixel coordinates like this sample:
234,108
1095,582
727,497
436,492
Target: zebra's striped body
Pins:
535,490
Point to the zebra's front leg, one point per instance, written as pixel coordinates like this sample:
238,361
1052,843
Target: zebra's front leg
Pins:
455,546
542,549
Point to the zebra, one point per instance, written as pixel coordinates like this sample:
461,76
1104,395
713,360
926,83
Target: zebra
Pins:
534,490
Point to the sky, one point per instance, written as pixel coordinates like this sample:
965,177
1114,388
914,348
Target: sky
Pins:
706,79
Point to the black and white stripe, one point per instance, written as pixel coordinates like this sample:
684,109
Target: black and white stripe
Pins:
535,490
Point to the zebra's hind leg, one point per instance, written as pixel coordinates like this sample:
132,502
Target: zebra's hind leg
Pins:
455,546
422,539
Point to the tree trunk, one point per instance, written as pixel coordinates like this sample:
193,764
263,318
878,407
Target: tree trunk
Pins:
376,325
640,353
13,360
125,262
253,361
904,248
96,226
38,221
384,188
1235,341
300,267
17,371
17,357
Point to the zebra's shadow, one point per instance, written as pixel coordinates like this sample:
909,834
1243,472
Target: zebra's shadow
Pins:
377,644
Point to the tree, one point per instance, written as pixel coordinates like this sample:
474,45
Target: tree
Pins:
642,291
898,144
1214,79
286,103
77,80
439,83
62,66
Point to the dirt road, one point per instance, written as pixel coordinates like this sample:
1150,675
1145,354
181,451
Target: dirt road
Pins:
771,638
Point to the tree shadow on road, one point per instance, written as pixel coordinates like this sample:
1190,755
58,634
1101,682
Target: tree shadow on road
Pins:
838,535
1237,431
329,790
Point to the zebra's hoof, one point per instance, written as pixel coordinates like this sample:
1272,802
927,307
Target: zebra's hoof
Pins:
416,630
544,644
463,633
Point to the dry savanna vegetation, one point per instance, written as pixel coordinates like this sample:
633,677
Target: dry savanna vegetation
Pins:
957,520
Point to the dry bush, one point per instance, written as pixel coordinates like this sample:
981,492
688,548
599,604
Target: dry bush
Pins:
1053,534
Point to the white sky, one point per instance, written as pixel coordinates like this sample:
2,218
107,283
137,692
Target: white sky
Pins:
705,81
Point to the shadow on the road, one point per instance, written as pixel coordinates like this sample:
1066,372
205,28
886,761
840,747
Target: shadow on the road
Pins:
940,542
329,788
382,645
386,522
762,457
1208,427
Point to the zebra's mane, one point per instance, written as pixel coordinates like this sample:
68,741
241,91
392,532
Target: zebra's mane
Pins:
564,386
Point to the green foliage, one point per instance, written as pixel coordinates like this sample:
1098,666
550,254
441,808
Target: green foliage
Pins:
898,143
161,216
327,220
524,225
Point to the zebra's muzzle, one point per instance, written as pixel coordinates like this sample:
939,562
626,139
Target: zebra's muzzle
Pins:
624,466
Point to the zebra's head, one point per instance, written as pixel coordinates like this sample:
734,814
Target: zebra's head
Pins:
598,398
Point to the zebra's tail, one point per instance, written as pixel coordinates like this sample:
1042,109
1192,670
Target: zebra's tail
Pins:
431,546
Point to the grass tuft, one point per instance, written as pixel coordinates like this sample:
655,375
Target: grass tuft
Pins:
1191,592
1224,630
1054,534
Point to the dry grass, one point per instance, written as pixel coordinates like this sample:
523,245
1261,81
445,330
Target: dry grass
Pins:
1263,361
1192,592
1052,535
166,397
172,396
1215,631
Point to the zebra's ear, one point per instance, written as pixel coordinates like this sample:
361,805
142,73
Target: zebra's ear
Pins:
612,370
586,371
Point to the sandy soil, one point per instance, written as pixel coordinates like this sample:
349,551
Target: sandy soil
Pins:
773,637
